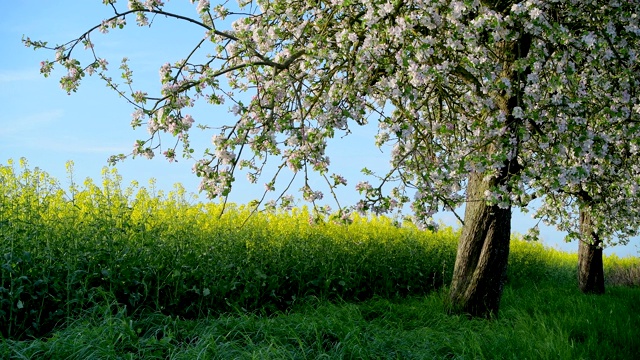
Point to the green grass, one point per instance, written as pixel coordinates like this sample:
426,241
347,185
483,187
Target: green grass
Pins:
105,272
537,323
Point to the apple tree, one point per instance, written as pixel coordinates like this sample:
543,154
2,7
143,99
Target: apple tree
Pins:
486,103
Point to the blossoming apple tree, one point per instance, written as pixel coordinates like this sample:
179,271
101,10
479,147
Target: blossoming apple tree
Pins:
486,103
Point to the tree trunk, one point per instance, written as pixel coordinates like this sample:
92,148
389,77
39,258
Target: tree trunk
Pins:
483,251
590,267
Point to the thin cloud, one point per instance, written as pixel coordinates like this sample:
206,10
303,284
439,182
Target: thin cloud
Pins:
29,123
74,145
109,150
11,76
38,131
67,145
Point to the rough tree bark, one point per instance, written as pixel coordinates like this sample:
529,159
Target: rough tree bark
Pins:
590,266
483,251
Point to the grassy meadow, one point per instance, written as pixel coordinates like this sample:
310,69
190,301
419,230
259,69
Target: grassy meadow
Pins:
107,271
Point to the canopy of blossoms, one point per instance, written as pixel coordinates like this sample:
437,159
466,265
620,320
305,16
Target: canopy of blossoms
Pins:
434,74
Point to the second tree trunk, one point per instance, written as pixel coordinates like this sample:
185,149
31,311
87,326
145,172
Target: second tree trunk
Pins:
590,266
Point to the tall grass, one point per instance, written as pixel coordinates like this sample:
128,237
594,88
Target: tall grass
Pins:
106,271
543,322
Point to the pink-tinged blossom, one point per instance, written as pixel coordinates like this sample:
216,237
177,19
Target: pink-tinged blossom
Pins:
133,4
535,13
252,178
60,53
165,71
141,19
457,8
225,157
46,67
170,155
151,4
309,195
387,8
589,40
338,180
187,121
139,96
137,117
203,6
103,64
517,112
104,27
363,186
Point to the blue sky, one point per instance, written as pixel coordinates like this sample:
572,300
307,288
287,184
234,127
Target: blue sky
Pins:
40,122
